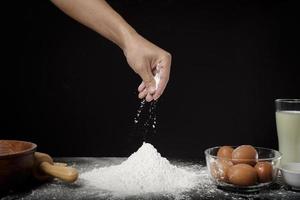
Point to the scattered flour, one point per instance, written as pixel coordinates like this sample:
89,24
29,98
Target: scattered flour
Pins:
145,171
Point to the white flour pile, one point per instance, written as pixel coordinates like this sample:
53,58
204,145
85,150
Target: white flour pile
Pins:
145,171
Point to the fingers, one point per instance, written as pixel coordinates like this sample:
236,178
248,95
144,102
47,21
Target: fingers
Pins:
142,90
141,87
151,86
149,97
146,74
147,87
143,94
164,77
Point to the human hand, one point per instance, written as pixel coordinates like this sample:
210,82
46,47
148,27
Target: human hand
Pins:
144,58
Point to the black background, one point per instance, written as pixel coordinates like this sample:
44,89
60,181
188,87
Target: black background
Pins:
71,91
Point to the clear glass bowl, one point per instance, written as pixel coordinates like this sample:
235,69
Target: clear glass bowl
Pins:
216,168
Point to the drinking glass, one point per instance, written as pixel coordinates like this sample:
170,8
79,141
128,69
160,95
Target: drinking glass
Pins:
288,129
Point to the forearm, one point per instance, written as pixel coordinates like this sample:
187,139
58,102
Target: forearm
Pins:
99,16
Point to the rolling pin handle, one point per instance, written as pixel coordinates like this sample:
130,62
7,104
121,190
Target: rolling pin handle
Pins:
67,174
45,169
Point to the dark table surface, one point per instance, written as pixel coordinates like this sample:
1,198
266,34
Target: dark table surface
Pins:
81,190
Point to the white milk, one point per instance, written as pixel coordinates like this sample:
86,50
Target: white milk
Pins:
288,131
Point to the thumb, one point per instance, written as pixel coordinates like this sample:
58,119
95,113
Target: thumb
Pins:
148,78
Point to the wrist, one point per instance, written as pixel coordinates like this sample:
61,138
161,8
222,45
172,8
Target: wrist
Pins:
129,39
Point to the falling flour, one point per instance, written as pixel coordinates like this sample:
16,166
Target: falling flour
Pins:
145,171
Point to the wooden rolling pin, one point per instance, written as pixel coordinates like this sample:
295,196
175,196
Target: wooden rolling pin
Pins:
45,169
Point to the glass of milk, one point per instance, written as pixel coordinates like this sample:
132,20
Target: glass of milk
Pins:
288,129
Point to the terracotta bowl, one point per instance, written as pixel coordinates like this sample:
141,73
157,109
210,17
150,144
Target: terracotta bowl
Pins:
16,163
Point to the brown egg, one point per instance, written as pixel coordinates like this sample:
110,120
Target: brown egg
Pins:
225,152
219,169
242,175
264,171
246,154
